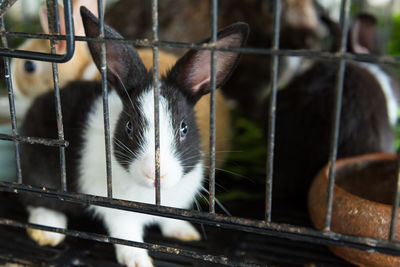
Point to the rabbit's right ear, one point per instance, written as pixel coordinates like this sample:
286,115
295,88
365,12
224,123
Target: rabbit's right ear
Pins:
125,69
362,34
192,72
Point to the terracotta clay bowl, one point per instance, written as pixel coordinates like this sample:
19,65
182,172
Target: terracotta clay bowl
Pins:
362,204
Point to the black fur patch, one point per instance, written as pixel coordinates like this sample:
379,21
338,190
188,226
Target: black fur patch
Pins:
41,164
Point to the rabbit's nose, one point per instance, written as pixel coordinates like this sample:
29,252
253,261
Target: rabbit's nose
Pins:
148,169
151,175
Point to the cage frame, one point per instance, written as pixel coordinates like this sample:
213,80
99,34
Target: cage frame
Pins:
264,227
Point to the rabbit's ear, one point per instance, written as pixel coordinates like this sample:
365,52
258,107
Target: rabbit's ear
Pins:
89,4
45,23
192,72
362,34
78,25
125,69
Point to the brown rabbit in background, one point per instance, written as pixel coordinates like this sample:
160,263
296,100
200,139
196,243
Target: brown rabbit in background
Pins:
31,78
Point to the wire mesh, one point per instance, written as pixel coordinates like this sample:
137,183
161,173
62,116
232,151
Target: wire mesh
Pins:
266,226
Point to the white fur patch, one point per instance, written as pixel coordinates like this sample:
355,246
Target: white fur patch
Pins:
385,82
91,72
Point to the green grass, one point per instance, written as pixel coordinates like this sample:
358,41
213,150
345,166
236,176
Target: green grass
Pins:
394,44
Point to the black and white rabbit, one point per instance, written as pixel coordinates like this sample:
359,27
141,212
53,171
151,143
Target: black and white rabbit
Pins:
305,109
132,134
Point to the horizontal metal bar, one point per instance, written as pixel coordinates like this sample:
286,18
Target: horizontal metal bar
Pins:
241,224
145,245
69,37
34,140
244,50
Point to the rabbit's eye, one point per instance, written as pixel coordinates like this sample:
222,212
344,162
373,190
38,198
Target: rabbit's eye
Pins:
128,128
183,130
29,66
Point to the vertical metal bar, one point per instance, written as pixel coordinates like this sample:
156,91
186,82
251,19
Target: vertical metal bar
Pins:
271,112
54,27
214,24
344,18
106,117
156,102
395,208
11,102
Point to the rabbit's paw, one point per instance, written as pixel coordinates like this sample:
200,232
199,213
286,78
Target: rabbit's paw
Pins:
47,217
181,230
45,238
133,257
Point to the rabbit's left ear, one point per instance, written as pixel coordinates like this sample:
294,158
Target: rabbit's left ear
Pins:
125,69
192,72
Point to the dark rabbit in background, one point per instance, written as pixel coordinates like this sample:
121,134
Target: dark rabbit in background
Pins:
305,108
132,135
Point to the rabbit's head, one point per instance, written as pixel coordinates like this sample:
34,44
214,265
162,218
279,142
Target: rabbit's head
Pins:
180,89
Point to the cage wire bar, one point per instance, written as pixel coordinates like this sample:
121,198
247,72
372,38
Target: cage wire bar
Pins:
34,140
54,28
104,92
11,102
248,225
272,112
144,245
211,218
245,50
213,62
344,21
156,92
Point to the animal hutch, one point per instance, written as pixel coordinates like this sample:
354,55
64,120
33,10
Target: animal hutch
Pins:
242,220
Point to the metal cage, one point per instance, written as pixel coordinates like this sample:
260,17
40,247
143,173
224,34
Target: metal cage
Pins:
265,227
